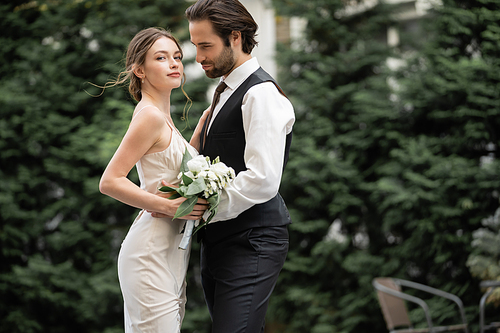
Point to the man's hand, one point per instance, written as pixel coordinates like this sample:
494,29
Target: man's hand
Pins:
198,210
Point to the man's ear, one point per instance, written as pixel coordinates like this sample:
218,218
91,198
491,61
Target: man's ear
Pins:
235,38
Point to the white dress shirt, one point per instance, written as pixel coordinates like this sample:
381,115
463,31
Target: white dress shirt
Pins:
268,117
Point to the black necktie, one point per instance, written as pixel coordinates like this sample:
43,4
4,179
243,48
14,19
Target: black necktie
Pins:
220,88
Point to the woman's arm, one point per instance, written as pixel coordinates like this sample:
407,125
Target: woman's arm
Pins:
146,132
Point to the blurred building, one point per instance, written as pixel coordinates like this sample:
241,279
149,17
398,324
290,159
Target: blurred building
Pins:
264,14
273,28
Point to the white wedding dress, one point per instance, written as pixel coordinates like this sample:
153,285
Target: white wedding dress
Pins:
151,267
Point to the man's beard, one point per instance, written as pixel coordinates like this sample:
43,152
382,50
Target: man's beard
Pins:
223,64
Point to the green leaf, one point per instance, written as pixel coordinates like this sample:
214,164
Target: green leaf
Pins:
182,190
196,187
186,207
174,196
214,200
213,211
167,189
186,158
186,180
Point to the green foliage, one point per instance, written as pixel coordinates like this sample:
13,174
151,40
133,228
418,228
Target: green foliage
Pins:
337,83
390,174
391,171
59,237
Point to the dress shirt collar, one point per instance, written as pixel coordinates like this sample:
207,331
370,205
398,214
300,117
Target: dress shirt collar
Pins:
241,73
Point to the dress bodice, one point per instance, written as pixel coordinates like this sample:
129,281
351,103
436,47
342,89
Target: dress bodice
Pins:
164,165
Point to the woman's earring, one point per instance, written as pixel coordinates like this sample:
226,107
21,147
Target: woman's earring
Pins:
142,80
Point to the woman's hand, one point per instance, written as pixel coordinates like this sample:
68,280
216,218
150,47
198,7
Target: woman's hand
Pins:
199,208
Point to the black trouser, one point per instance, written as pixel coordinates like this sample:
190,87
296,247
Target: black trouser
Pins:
238,276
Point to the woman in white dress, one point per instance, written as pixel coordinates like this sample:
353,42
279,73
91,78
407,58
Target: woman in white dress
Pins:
151,267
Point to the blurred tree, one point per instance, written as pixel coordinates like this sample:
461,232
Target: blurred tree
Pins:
59,237
337,80
449,96
391,170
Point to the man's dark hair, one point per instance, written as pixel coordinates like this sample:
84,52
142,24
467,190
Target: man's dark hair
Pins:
226,16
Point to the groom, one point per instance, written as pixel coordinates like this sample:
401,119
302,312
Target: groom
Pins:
244,247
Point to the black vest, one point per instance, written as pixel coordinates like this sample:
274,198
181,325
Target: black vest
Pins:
226,139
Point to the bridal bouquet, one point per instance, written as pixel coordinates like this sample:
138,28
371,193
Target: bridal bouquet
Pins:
200,178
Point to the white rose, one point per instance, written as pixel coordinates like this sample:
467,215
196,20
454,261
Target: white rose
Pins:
211,175
220,169
197,164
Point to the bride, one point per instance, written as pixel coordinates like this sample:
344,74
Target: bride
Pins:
151,268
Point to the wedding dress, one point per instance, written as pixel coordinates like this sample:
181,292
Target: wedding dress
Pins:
151,267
